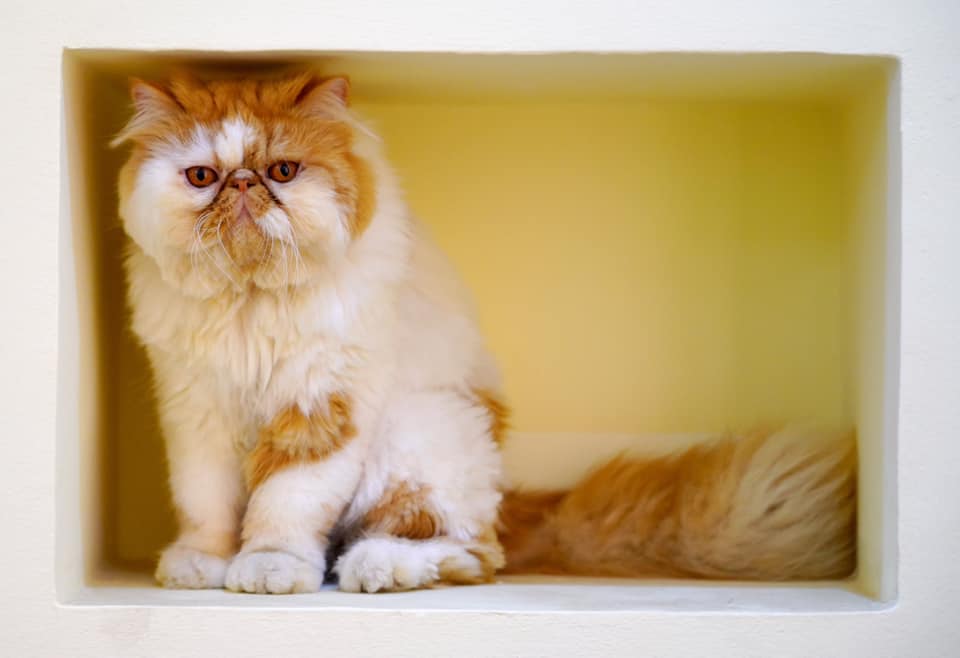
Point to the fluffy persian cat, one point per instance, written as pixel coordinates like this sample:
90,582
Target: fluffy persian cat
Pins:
329,406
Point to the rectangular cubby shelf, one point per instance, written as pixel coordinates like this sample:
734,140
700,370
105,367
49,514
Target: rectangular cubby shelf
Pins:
659,244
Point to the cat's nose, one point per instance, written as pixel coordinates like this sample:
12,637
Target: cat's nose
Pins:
242,179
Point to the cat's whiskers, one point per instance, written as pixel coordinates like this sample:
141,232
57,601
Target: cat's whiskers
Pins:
298,258
289,237
197,245
266,255
214,260
286,264
267,251
223,246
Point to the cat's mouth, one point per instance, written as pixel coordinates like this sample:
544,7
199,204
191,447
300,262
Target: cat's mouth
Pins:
243,236
241,209
242,214
244,240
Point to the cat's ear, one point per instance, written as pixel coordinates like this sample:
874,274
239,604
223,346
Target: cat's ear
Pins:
153,104
325,96
152,98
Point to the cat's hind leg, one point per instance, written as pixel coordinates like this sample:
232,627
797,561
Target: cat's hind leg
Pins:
428,503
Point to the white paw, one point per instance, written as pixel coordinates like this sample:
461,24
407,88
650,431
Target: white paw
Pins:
273,572
375,565
186,568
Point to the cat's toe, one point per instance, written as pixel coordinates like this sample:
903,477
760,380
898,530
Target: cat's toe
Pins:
186,568
380,565
272,572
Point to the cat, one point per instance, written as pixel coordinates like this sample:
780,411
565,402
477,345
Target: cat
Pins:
329,405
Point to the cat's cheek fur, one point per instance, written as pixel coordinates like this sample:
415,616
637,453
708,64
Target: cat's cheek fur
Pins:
159,209
319,221
276,225
150,206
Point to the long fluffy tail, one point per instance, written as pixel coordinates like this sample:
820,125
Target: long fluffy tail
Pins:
770,506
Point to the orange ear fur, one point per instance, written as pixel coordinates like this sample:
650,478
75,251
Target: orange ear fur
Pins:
325,96
153,104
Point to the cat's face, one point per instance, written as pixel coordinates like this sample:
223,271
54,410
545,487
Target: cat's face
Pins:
243,183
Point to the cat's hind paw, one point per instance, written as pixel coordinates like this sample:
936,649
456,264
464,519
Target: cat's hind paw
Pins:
272,572
186,568
387,564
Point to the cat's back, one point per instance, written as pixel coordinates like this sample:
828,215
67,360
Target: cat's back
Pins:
439,342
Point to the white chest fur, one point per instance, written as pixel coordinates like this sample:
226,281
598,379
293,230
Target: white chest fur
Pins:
260,349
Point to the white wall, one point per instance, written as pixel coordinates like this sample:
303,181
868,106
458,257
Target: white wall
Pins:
922,35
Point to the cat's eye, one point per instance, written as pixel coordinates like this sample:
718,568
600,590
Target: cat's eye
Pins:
201,176
283,171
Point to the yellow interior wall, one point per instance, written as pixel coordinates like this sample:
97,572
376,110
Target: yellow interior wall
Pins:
129,517
83,519
872,178
640,265
643,266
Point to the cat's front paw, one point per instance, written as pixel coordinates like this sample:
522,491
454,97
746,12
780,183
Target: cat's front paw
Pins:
186,568
273,572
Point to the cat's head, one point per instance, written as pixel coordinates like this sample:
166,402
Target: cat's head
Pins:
243,183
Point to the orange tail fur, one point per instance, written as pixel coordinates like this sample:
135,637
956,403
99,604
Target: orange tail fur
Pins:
771,506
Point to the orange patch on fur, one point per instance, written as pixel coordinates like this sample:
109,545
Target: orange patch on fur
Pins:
404,511
498,411
361,195
293,437
171,110
522,519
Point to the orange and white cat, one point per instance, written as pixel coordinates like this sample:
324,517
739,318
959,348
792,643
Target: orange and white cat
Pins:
325,393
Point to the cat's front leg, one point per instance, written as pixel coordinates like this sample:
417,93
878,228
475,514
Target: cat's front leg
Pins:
301,476
206,482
